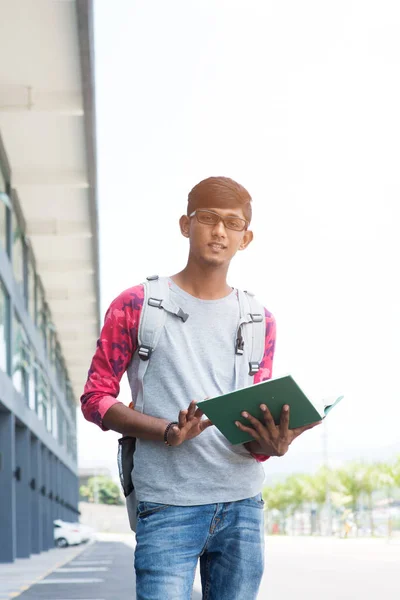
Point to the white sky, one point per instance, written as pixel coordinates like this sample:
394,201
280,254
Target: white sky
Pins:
299,102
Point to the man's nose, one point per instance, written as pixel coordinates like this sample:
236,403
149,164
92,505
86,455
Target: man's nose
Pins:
219,229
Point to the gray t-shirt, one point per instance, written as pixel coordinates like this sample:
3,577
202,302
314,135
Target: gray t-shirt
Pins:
193,360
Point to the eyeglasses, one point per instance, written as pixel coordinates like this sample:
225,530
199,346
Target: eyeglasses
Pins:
208,217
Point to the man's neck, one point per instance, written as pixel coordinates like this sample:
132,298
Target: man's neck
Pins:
206,284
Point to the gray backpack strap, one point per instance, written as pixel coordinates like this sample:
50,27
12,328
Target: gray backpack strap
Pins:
252,337
156,304
257,312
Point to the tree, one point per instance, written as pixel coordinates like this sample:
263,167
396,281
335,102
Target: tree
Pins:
315,489
342,488
101,489
278,498
389,478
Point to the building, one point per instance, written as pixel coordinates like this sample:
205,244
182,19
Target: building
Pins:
49,277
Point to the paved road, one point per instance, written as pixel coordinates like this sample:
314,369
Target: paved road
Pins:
296,568
102,572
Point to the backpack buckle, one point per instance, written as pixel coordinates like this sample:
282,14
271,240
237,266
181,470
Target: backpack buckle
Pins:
145,352
182,315
257,318
155,302
254,367
239,347
152,278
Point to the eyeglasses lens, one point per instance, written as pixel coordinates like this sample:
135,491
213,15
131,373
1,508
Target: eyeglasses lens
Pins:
210,218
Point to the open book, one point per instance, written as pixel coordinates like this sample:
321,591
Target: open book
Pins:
224,410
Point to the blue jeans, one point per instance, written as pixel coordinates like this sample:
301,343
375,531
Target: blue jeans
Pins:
228,539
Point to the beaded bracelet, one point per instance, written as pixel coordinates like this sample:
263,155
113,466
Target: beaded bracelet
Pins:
168,427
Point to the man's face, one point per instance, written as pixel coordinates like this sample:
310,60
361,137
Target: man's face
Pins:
215,245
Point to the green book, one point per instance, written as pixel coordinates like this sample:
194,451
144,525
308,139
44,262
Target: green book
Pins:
224,410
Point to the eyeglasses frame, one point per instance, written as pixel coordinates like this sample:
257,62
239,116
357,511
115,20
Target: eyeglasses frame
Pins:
194,213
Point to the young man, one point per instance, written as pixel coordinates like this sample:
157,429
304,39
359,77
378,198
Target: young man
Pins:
199,497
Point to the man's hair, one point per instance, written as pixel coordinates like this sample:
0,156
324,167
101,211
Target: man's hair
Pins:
219,192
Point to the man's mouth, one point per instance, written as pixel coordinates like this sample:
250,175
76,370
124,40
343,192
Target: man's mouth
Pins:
216,246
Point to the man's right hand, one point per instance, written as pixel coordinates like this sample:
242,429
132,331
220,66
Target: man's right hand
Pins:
190,425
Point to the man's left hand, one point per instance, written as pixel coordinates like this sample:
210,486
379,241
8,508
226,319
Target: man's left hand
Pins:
271,439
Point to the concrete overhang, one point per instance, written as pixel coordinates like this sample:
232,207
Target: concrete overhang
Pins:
47,123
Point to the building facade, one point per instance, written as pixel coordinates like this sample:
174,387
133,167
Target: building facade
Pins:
49,279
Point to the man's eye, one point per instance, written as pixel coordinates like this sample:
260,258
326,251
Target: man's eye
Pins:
235,224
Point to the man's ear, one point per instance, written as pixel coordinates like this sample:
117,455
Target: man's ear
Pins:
184,224
247,239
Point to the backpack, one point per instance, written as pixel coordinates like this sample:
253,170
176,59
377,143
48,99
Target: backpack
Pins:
157,304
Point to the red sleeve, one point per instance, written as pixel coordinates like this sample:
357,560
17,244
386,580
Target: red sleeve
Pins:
265,371
115,348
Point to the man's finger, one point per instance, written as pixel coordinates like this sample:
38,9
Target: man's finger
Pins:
284,421
198,414
299,430
268,418
191,410
204,424
257,425
173,435
182,418
249,430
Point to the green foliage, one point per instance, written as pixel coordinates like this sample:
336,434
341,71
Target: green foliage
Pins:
102,490
344,487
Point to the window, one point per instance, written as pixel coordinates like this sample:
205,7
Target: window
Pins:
52,343
69,396
49,415
21,359
5,206
60,371
31,289
54,416
18,256
50,339
33,383
71,442
4,336
61,427
43,400
41,312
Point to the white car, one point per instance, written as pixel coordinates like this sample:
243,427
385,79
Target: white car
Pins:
67,534
87,532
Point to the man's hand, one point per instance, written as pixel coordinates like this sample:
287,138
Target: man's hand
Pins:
271,439
190,425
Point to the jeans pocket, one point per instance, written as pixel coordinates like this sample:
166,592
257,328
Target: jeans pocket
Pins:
145,509
256,501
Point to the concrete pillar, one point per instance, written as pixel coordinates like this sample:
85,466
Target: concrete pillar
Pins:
62,492
75,502
48,501
68,495
56,506
51,494
43,492
22,491
8,546
74,494
36,515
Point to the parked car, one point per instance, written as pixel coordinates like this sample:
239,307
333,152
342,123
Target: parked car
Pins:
67,534
87,532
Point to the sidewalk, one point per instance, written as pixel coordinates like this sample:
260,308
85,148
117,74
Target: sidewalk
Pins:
102,570
24,572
